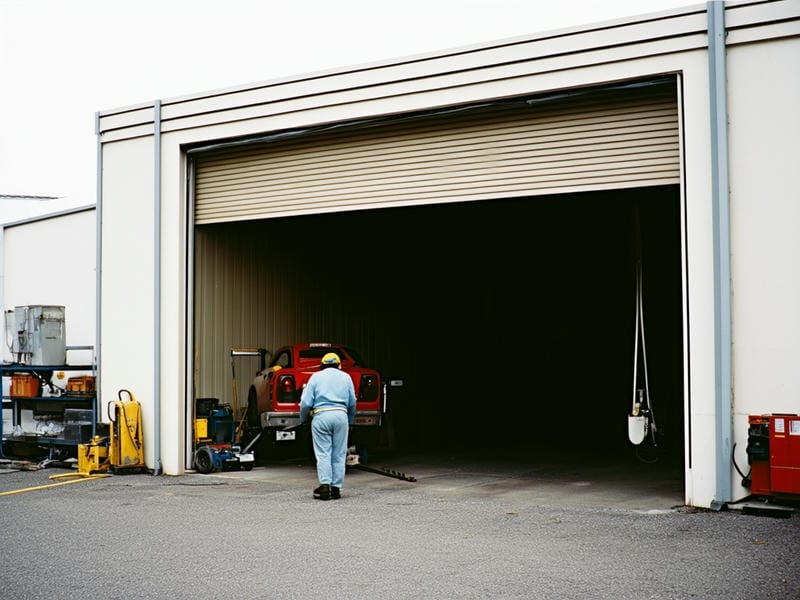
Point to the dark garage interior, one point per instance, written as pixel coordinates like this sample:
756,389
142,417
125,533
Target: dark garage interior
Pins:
510,321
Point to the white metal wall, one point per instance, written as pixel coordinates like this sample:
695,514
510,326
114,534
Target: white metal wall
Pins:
33,272
51,261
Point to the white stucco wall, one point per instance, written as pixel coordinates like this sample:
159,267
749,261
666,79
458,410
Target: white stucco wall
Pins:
126,327
764,116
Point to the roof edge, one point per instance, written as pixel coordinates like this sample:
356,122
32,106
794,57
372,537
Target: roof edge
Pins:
45,217
421,57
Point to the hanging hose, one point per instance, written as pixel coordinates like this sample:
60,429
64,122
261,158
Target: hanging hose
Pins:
650,414
641,458
641,420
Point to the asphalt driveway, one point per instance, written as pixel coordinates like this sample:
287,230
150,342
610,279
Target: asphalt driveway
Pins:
467,528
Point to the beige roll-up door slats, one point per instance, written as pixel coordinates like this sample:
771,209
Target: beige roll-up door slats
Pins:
622,140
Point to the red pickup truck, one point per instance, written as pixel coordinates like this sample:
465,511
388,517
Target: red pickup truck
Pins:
274,396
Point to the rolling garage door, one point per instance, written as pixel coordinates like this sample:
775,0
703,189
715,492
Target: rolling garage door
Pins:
620,137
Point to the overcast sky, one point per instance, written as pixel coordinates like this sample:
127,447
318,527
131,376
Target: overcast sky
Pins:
61,61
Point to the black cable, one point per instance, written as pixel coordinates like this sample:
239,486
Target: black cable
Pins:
745,478
649,461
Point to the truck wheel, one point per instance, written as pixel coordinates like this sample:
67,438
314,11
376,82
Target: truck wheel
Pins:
248,466
252,409
203,461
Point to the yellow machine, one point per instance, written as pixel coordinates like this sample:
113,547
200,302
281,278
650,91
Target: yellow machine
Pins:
93,457
92,460
122,450
126,447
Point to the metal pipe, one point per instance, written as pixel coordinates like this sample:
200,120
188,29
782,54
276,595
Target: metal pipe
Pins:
157,290
189,323
2,306
720,191
98,251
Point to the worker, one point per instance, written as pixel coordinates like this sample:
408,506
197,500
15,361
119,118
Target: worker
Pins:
329,397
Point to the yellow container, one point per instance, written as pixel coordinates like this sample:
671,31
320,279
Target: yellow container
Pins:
200,429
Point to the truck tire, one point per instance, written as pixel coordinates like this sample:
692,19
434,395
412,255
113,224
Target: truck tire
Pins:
253,420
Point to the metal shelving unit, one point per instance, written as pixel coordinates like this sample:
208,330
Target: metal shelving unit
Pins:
54,404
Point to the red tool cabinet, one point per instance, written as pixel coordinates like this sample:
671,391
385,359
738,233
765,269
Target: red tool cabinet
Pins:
773,450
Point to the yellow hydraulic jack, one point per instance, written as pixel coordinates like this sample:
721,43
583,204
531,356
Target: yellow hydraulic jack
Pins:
122,450
92,459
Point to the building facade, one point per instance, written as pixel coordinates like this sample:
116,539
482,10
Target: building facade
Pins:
486,197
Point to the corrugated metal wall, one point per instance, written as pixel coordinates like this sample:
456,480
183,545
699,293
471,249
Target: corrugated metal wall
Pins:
261,285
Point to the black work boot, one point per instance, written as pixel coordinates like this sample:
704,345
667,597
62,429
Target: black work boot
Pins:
336,493
323,492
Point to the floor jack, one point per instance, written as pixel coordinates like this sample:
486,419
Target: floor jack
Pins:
121,451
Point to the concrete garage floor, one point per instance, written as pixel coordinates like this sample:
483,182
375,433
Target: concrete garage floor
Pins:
532,480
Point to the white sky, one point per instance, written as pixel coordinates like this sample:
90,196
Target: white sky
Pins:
61,61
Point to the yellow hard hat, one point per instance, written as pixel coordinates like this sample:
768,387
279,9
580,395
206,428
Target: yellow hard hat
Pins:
331,358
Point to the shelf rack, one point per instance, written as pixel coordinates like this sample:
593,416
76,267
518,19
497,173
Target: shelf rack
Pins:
60,402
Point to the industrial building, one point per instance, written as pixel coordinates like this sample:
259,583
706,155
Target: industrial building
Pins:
29,275
473,220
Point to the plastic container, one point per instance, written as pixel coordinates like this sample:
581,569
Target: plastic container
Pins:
84,384
25,386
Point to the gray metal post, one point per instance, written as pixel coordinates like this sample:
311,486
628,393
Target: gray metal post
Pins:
157,290
2,305
189,404
722,259
98,267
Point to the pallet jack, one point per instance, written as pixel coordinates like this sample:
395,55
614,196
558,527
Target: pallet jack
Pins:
122,451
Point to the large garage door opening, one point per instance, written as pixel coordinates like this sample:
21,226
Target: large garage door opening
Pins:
486,254
511,321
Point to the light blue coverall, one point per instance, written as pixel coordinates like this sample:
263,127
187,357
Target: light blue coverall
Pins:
330,394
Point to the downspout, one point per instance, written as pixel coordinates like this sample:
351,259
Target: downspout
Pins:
157,290
720,194
189,323
98,252
2,305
